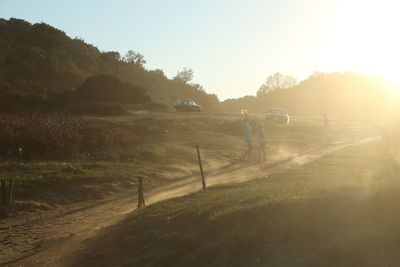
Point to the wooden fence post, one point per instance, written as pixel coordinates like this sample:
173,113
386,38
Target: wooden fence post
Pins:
4,190
203,180
141,202
10,193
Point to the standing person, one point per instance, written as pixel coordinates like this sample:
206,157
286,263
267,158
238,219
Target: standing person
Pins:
261,141
248,137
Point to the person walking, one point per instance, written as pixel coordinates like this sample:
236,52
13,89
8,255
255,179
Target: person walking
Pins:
259,135
248,137
261,140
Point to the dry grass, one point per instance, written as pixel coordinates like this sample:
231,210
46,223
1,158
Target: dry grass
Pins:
337,211
58,136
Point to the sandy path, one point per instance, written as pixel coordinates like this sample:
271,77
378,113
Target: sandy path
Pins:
44,239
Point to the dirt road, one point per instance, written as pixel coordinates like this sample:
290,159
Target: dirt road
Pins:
43,239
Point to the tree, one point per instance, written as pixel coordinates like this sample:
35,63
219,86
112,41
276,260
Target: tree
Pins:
198,87
276,81
109,89
112,56
134,58
185,75
41,60
110,62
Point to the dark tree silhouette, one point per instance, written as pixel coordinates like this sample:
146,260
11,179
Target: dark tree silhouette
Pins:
134,58
39,60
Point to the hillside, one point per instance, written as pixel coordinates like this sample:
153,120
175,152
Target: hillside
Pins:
38,59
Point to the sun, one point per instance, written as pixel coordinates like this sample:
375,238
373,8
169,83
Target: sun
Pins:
364,38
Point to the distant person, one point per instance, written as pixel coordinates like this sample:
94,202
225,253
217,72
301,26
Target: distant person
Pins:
259,135
248,137
261,140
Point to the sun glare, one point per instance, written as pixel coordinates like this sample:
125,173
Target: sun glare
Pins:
364,38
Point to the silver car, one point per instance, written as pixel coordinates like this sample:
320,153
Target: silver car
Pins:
278,115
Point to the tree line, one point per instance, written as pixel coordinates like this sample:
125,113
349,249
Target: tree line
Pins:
345,93
40,61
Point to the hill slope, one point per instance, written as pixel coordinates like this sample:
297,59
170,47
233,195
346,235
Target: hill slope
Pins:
37,59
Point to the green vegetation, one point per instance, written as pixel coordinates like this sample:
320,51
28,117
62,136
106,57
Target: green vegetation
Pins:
339,210
104,89
39,61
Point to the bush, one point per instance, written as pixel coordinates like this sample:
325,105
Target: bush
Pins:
109,89
13,102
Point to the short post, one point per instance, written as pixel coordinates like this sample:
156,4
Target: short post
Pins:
10,193
141,202
3,190
203,180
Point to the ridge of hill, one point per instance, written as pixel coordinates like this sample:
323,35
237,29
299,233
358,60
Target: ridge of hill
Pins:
40,60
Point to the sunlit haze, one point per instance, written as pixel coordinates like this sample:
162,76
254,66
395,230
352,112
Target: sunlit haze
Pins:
232,46
199,133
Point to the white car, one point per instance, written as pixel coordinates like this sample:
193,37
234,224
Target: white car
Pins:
278,115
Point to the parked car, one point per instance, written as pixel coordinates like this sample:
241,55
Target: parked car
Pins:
186,105
278,115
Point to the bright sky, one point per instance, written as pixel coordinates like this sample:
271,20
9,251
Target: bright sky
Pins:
233,45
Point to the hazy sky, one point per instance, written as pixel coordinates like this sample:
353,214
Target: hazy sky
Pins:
233,45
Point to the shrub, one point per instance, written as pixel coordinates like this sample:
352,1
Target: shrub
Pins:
13,102
109,89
